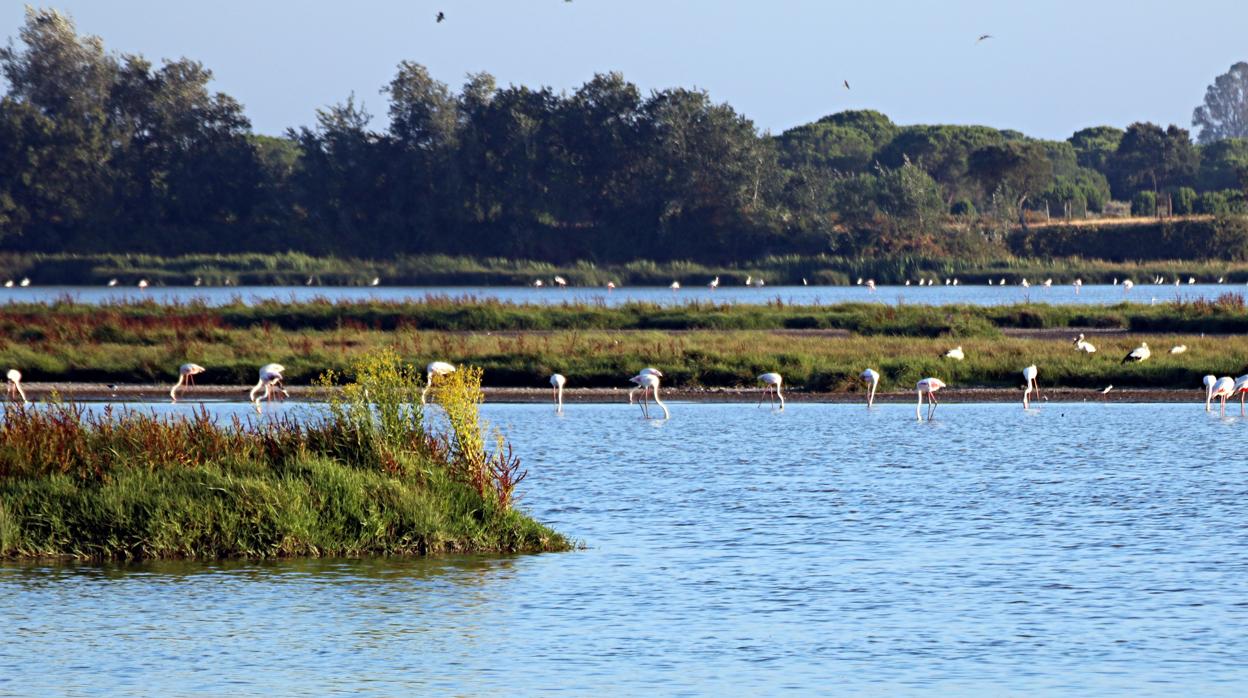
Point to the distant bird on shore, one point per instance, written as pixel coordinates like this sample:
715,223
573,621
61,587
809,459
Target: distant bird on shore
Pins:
1126,285
556,390
610,286
1078,285
112,282
871,285
1083,345
749,280
872,378
14,379
375,282
270,382
983,37
441,16
714,283
1107,389
433,370
645,371
648,382
1178,349
142,284
927,386
186,376
8,284
537,284
25,282
561,282
199,281
675,286
1137,354
956,353
1025,284
1029,375
771,387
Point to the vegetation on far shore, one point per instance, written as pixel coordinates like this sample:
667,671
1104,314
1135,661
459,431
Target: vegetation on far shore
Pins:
697,345
366,478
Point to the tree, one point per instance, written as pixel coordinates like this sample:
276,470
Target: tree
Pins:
1016,169
1153,158
1225,112
1095,146
1223,165
941,151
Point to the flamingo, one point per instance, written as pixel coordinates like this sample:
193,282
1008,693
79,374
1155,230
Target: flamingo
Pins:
1179,349
771,386
1138,354
1048,283
1029,375
872,379
537,284
648,382
1221,389
1083,345
927,386
142,284
561,282
610,286
434,369
675,286
956,353
871,285
270,380
15,391
1127,285
1209,381
186,376
1240,386
556,390
1078,285
1026,284
645,371
715,283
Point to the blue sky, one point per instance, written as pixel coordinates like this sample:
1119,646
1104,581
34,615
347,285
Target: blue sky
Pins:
1051,68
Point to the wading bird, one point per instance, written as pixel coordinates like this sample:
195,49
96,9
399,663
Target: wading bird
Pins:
1107,389
1240,387
1221,389
1083,345
1029,375
561,282
270,382
375,282
648,382
537,284
675,286
112,282
610,286
871,285
771,387
25,282
643,372
872,378
1127,285
1137,354
142,284
15,391
556,390
927,386
715,283
186,376
956,353
1078,285
433,370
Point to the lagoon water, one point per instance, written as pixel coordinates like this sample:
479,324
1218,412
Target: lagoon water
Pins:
1107,294
1077,549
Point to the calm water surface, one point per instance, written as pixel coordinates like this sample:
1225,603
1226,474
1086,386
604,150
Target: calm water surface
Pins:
1077,549
793,295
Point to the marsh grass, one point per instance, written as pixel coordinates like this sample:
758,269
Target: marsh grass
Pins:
366,478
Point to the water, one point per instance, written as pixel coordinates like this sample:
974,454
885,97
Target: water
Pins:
1077,549
793,295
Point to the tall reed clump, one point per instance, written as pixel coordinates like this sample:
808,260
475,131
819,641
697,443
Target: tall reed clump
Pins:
365,477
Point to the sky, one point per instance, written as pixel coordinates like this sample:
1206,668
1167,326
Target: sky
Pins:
1050,69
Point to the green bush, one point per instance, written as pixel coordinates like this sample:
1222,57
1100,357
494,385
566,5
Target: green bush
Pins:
1144,203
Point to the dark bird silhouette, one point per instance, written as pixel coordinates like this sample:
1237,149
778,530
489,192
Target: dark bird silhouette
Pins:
982,37
846,84
441,16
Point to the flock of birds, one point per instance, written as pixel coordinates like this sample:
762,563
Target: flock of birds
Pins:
870,285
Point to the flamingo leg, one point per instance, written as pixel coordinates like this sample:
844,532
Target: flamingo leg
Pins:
932,403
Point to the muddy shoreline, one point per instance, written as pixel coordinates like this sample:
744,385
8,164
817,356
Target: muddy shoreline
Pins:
96,392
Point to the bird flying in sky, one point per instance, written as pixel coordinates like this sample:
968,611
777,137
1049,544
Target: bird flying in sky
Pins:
982,37
441,16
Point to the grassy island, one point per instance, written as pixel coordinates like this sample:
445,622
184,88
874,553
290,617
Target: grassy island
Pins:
367,478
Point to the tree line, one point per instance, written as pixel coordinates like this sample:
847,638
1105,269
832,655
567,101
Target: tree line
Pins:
105,152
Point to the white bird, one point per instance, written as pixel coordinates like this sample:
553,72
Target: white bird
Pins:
1178,349
1083,345
8,284
1115,281
648,382
198,281
25,282
1025,284
375,282
1138,354
907,282
955,281
1127,285
610,286
948,281
955,353
1048,283
760,283
1220,389
771,387
643,372
872,378
927,386
1002,282
1191,280
715,283
561,282
556,390
860,281
433,370
1078,285
749,280
270,382
989,282
1221,279
871,285
1029,375
112,282
1107,389
142,283
1241,387
15,391
537,284
308,282
186,376
803,281
675,286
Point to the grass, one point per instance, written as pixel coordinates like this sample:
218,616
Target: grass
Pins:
1041,253
128,485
